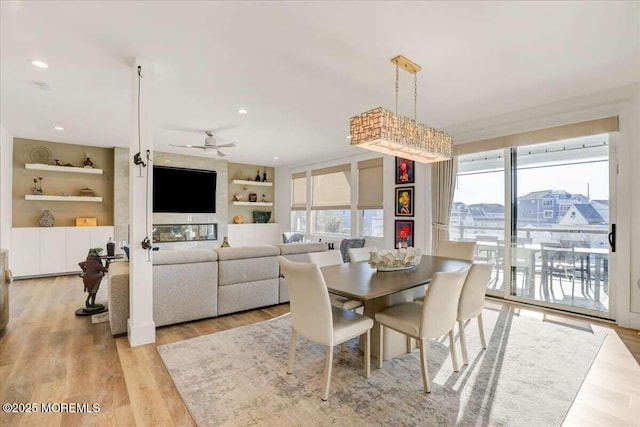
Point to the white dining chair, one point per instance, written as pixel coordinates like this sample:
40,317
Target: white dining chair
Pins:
472,303
360,254
433,319
454,249
326,258
314,318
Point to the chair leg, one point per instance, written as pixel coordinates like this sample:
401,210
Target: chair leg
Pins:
327,368
292,350
454,353
424,366
481,329
409,342
367,354
380,346
463,343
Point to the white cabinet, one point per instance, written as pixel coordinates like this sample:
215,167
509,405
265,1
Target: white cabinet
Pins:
54,250
254,234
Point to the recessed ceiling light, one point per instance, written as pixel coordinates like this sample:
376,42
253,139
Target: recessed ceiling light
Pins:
348,136
242,111
39,64
276,158
60,128
189,145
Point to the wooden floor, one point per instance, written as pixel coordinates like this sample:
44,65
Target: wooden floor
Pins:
50,356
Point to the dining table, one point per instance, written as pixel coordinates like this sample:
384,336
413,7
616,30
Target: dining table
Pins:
381,289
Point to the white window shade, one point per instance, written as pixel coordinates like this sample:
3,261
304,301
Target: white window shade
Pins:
370,184
331,188
299,191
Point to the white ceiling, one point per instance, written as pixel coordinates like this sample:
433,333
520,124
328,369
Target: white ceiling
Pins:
300,68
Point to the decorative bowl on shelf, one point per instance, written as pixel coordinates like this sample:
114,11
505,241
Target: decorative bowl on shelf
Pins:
261,217
394,259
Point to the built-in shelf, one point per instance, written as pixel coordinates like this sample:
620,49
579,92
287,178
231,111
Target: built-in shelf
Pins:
252,203
43,167
45,197
257,183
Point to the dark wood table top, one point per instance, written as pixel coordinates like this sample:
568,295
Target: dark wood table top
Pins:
359,281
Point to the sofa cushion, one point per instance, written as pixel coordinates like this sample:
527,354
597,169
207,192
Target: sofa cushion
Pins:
243,252
183,257
301,248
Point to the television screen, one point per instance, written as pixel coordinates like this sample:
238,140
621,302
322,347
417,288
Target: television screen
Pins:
181,190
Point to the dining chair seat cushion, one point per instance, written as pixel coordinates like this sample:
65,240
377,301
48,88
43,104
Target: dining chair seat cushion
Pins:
403,317
346,303
348,324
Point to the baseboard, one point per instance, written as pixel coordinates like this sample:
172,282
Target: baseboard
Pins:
141,334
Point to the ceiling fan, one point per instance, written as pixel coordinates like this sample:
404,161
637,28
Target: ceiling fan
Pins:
210,146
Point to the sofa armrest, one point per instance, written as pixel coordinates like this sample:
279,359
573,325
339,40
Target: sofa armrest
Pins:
118,297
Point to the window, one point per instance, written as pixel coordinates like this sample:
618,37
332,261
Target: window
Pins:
547,203
331,200
547,213
370,198
372,223
299,202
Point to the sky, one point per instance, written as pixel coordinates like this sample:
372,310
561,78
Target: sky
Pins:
489,187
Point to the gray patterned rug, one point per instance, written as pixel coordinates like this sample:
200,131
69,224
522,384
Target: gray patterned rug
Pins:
528,376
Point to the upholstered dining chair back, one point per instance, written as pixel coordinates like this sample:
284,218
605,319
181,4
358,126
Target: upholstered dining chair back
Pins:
292,237
360,254
473,291
345,244
440,307
325,258
472,303
309,301
455,249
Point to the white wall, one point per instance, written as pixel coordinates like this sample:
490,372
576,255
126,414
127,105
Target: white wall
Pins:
6,185
625,103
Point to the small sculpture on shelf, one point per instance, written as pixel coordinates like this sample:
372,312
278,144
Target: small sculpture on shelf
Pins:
237,197
238,219
258,176
88,163
264,175
60,164
92,274
253,197
38,185
264,198
47,219
87,192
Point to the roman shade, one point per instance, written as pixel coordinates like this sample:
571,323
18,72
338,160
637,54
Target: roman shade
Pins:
370,184
557,133
299,191
331,188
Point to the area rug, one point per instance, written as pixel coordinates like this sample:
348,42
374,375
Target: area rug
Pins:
528,376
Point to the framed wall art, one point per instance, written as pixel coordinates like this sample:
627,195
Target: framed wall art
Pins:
404,201
404,233
404,171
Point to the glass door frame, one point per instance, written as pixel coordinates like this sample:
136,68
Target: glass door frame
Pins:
510,230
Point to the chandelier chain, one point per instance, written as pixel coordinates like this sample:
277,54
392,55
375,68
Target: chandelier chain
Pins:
397,89
415,97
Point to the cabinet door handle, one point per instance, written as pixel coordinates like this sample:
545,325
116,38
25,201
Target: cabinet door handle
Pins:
612,238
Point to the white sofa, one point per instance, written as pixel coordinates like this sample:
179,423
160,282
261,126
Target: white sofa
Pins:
197,284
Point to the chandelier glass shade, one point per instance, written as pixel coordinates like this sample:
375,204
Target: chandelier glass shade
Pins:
388,133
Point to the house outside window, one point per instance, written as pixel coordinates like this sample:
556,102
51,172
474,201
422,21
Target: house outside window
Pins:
548,213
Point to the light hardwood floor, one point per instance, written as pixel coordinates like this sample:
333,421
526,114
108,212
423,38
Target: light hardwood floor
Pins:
49,355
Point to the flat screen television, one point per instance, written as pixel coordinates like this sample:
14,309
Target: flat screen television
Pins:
180,190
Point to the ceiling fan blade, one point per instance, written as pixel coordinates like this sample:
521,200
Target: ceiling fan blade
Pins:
231,144
220,154
199,130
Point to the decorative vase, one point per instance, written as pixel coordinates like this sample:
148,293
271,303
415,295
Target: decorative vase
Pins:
225,243
47,219
111,247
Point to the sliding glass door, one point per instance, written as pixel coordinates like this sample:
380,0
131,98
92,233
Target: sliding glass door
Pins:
552,203
560,212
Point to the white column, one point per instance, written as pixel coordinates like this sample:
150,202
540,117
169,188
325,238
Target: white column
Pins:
141,328
6,183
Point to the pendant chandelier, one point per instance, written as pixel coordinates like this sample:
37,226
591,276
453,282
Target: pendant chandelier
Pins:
388,133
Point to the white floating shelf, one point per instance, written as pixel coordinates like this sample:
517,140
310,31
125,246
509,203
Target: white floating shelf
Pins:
252,203
62,198
257,183
43,167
